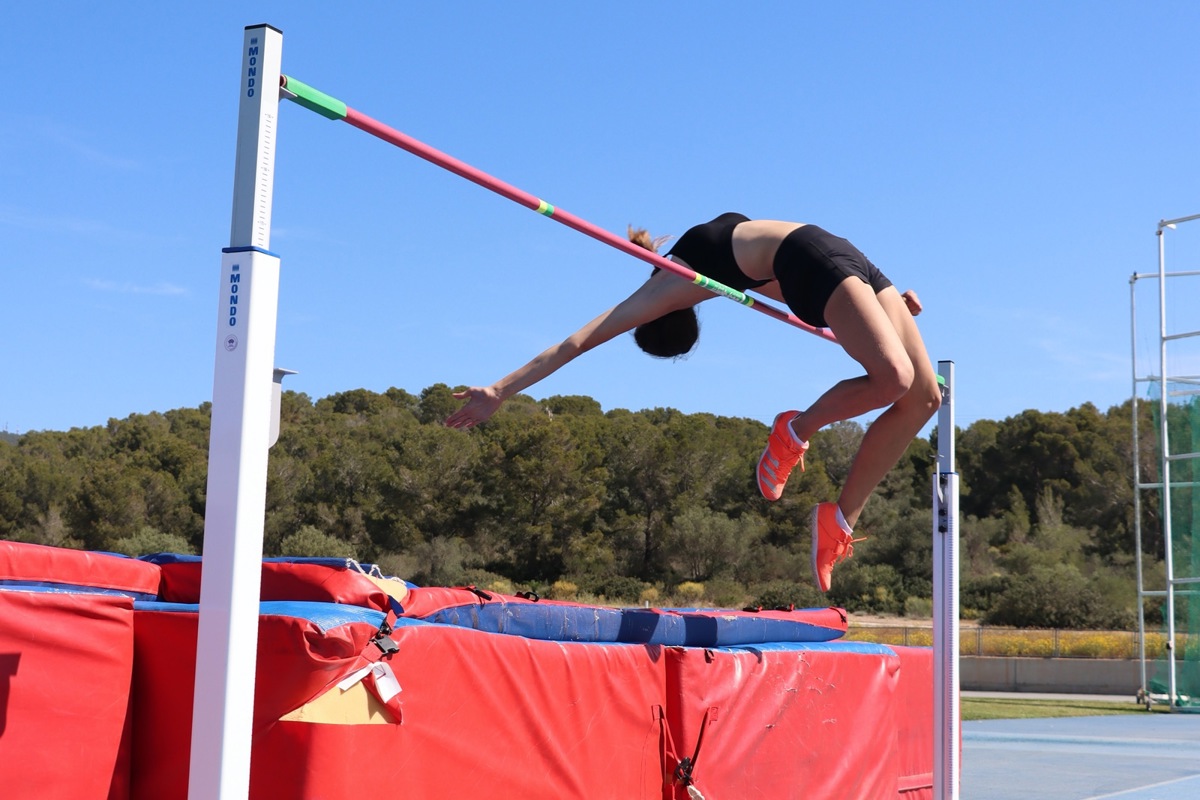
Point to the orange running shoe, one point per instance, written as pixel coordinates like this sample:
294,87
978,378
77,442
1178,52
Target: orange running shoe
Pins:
831,543
780,457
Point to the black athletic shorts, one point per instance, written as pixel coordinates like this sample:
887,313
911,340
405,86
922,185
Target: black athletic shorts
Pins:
809,265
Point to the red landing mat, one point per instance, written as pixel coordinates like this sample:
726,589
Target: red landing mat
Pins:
914,723
61,568
784,721
477,714
483,714
487,715
65,664
303,649
66,661
318,580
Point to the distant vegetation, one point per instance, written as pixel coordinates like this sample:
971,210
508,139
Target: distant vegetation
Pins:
649,506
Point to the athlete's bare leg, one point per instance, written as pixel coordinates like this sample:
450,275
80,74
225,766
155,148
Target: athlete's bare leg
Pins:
878,332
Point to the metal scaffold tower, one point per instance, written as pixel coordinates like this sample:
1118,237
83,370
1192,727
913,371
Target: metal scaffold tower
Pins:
1166,389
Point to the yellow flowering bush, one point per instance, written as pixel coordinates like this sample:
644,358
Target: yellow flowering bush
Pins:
563,590
1025,643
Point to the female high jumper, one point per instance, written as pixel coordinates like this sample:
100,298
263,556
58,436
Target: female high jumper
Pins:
826,282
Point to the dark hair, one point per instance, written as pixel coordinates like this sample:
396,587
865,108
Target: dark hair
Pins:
670,336
673,334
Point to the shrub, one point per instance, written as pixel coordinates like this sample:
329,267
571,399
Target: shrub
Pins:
1097,644
501,586
309,541
918,607
877,634
563,590
1016,643
920,637
784,594
978,595
906,635
689,592
618,588
869,588
482,578
1056,596
442,562
151,540
726,593
398,565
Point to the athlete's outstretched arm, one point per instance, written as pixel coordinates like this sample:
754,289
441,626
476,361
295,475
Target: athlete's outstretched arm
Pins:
661,294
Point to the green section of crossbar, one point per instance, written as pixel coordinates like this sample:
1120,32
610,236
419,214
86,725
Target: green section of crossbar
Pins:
314,100
719,288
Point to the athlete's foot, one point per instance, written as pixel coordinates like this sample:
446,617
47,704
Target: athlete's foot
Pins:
832,541
783,452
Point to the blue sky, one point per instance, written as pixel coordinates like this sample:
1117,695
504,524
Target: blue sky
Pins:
1008,160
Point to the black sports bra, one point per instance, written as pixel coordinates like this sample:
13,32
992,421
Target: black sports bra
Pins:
708,250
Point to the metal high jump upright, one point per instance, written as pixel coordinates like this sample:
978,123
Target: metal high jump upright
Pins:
243,385
947,720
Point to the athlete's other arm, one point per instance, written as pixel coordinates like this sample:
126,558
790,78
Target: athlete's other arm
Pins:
659,295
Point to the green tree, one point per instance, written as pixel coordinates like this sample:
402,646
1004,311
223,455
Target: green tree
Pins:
640,493
149,540
1055,595
703,544
437,403
557,491
542,494
309,541
573,405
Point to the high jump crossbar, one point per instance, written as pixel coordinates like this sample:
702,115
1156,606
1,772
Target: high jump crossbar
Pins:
332,108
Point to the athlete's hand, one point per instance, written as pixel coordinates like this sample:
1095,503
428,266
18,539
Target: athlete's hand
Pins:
482,402
913,302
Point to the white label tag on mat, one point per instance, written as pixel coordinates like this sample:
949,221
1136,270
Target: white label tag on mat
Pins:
386,685
354,678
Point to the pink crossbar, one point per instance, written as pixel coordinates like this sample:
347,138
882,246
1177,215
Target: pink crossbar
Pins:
434,156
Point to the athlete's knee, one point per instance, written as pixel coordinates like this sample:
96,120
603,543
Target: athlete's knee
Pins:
893,380
924,398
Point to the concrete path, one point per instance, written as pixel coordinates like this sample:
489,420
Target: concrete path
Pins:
1155,756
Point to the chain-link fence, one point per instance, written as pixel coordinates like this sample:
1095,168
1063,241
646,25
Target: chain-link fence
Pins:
982,640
